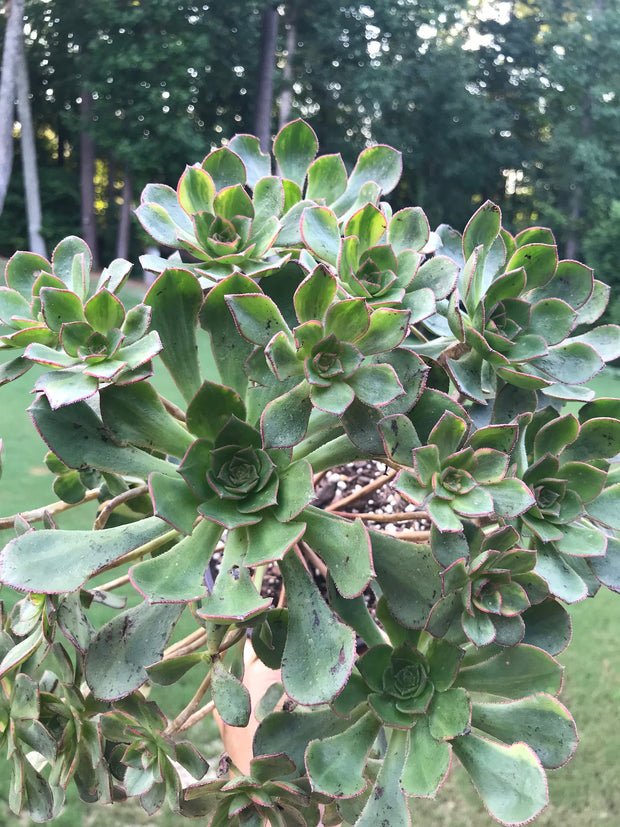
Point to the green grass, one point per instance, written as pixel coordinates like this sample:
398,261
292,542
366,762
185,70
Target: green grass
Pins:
582,794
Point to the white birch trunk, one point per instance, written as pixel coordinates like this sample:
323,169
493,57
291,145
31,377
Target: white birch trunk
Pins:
13,34
29,157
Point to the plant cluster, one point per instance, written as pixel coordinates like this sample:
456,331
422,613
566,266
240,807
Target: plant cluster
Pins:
340,331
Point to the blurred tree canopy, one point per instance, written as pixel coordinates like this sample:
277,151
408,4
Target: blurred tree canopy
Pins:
514,101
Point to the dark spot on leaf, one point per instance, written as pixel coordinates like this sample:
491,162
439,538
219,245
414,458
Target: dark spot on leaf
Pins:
126,629
315,622
234,571
224,763
378,792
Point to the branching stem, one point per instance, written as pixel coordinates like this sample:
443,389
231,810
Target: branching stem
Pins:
361,492
175,726
186,646
416,536
110,505
381,517
53,508
313,559
114,584
173,409
152,545
207,709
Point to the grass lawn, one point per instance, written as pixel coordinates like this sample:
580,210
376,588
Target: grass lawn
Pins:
583,794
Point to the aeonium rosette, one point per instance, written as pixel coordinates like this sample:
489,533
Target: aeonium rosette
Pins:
227,481
267,794
88,342
423,693
212,216
330,361
576,494
400,683
408,689
513,313
392,260
456,474
486,598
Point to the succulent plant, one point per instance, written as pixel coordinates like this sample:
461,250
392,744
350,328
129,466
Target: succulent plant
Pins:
339,332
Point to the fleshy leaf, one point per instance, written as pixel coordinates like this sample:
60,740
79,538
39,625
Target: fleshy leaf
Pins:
327,179
291,732
66,387
103,311
77,435
449,714
54,561
400,438
135,414
427,764
285,420
541,721
376,385
211,408
408,230
270,539
178,575
257,163
23,270
598,438
230,349
510,780
61,306
607,569
314,295
121,650
387,803
320,232
516,673
232,699
175,300
318,657
336,764
345,548
258,318
381,165
294,148
234,596
482,229
410,597
562,579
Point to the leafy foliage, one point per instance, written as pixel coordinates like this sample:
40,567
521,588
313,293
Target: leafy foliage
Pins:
341,330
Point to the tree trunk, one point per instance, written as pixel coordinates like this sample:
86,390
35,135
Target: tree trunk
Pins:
87,179
286,96
124,220
267,59
29,157
13,35
573,238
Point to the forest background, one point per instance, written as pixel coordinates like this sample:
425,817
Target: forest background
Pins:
514,101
